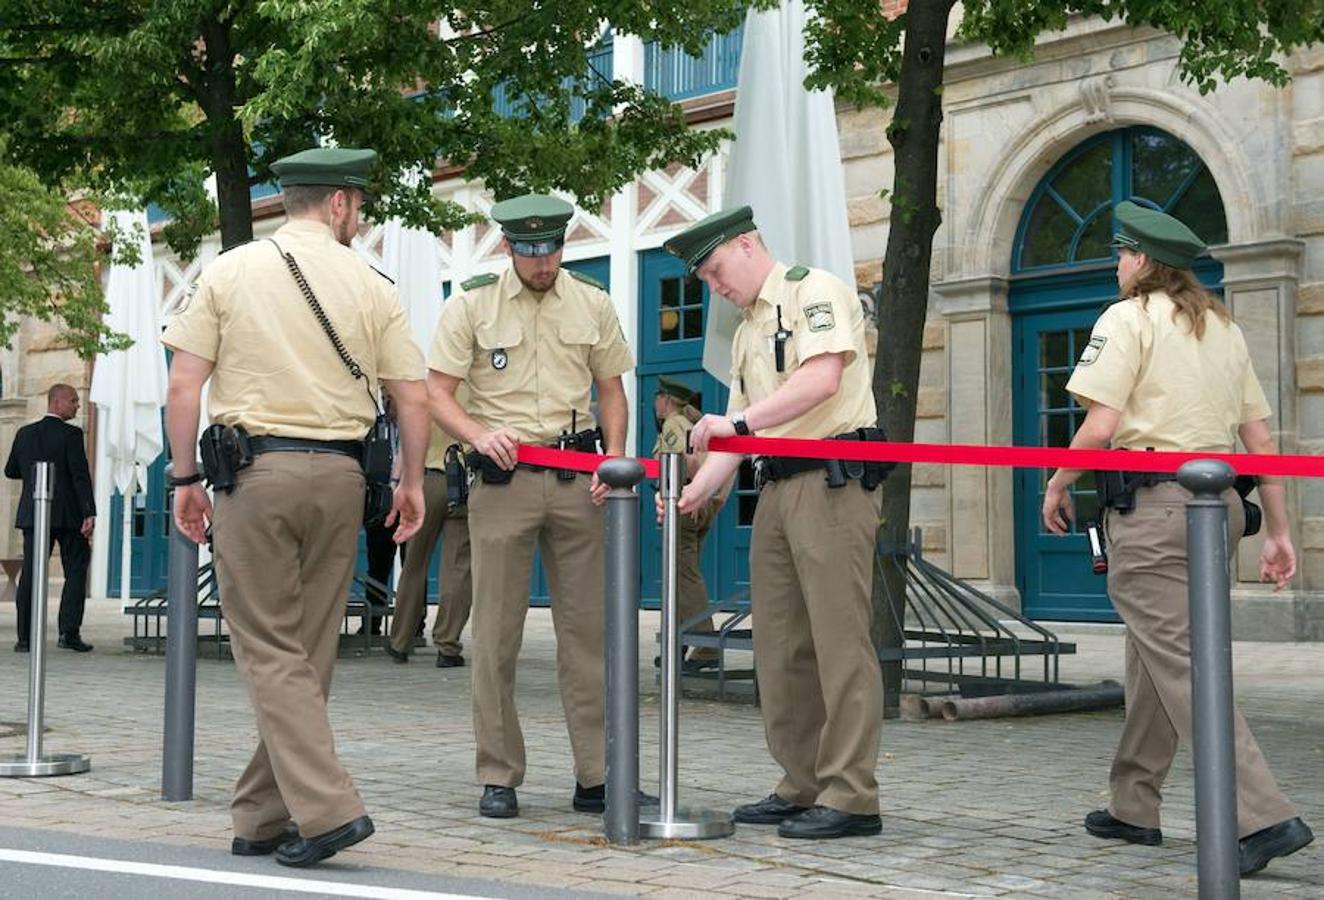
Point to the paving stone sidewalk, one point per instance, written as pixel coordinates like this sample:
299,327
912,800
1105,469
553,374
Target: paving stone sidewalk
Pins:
987,808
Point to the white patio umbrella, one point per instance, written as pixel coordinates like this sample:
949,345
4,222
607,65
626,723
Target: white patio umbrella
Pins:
129,386
785,163
411,257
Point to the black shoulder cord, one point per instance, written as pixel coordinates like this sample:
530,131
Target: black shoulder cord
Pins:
354,368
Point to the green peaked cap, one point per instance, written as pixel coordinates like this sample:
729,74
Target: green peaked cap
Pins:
331,166
693,245
672,388
1158,235
534,224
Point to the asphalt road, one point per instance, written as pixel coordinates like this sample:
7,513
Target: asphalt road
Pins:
36,864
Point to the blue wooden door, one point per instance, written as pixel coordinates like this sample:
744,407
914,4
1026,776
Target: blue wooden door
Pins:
149,537
671,327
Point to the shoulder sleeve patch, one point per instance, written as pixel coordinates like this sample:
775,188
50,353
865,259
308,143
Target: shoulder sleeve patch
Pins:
1092,350
587,279
820,317
381,273
797,273
478,281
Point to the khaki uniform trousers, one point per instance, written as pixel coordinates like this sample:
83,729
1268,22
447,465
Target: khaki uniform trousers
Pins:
505,522
286,541
820,686
456,579
1148,586
691,590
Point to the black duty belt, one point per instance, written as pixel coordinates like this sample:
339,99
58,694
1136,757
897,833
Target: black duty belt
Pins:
1149,479
778,468
270,444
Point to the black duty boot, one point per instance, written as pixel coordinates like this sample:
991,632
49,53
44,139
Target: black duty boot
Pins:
498,802
245,847
1267,844
822,822
72,641
303,852
771,810
1102,824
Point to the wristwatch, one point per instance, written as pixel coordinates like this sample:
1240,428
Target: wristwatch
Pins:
741,426
184,480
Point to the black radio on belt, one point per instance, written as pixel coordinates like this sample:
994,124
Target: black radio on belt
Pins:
225,451
457,479
1098,552
378,447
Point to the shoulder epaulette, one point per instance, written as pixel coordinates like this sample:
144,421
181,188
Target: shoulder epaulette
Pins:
587,279
478,281
381,273
797,273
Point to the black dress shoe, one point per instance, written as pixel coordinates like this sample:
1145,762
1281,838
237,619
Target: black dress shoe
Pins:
244,847
822,822
771,810
449,661
20,646
1102,824
498,802
594,799
1283,839
72,641
396,655
302,852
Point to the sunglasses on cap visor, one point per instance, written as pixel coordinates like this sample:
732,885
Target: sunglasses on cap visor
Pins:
535,248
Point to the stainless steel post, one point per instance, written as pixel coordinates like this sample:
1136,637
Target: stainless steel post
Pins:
1211,678
670,821
181,669
34,763
620,821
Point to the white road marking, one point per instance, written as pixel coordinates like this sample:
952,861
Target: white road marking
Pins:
219,876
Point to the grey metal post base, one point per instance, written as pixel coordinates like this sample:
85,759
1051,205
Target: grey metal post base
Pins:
1211,678
34,763
668,820
181,662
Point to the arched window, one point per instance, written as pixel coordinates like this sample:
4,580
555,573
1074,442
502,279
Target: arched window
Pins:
1068,220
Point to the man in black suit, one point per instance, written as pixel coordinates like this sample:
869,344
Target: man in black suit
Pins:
73,511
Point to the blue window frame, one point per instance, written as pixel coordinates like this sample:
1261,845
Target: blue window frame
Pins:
600,63
674,74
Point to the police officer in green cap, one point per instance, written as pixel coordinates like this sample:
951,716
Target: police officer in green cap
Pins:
532,343
1167,369
285,535
800,369
675,411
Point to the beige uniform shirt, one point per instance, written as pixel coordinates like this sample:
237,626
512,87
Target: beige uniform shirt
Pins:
276,371
824,316
530,361
1174,391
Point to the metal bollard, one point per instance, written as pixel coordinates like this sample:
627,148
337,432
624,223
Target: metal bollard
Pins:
34,763
1211,678
181,668
620,821
671,821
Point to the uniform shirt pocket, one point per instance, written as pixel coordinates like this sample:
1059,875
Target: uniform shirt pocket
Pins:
498,347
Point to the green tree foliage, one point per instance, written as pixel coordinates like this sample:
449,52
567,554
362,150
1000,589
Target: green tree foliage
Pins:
47,264
141,96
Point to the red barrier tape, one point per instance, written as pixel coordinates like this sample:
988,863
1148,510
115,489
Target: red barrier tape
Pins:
959,454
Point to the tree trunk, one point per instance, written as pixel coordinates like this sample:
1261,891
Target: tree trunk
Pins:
229,149
914,131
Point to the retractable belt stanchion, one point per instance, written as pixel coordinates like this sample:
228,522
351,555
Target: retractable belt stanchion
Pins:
620,821
670,821
34,763
181,669
1211,678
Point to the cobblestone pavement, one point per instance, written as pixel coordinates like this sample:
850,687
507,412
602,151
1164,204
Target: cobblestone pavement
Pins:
973,808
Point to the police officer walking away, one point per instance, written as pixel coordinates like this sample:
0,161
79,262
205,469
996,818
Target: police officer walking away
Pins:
531,343
799,369
449,524
672,406
285,535
1166,369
